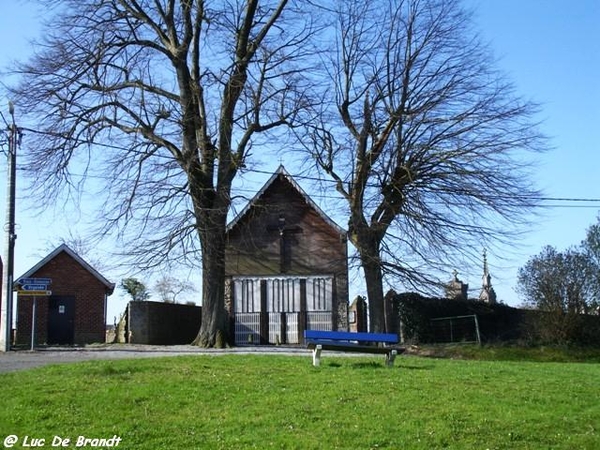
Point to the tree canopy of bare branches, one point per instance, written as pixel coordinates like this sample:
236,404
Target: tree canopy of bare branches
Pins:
169,288
424,139
159,102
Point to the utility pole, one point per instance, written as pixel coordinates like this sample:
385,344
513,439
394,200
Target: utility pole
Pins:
6,310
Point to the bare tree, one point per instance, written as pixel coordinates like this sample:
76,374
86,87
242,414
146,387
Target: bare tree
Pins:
82,246
161,101
170,288
423,138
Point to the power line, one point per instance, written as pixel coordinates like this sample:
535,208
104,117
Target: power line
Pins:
4,120
595,201
323,180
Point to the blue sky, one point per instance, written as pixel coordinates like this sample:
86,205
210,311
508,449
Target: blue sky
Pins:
550,49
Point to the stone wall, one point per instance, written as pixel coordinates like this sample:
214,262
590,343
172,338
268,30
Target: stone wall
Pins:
358,317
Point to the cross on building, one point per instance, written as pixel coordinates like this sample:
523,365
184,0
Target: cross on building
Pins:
285,243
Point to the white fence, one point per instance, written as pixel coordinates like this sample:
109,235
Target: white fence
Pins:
247,328
278,300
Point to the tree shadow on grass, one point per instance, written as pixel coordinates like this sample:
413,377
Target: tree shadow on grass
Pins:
358,365
367,365
381,366
333,364
370,365
409,367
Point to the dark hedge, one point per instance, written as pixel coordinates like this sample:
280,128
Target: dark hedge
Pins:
497,322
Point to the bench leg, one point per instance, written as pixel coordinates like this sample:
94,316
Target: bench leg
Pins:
390,357
317,355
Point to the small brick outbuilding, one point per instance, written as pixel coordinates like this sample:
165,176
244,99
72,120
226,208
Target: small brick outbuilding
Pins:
75,312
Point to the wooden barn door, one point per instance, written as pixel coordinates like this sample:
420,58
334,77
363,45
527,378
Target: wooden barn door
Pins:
61,320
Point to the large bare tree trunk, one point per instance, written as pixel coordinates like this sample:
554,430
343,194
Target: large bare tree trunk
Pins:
374,284
214,328
211,226
367,242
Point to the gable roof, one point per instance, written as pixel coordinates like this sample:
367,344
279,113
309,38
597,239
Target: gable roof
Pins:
65,248
282,172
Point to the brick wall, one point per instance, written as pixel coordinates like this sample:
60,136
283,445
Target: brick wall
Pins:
24,315
69,278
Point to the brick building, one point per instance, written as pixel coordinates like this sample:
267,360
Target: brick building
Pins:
75,312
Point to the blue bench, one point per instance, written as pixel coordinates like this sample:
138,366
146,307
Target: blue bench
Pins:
381,343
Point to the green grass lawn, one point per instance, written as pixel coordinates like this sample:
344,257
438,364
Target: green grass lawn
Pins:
238,402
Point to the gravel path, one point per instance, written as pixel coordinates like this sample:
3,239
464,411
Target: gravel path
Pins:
26,359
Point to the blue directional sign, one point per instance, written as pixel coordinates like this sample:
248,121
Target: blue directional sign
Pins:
37,281
34,287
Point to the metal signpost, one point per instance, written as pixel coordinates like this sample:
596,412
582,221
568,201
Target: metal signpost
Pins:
33,324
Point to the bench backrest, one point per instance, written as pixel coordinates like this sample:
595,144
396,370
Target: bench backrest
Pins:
388,338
